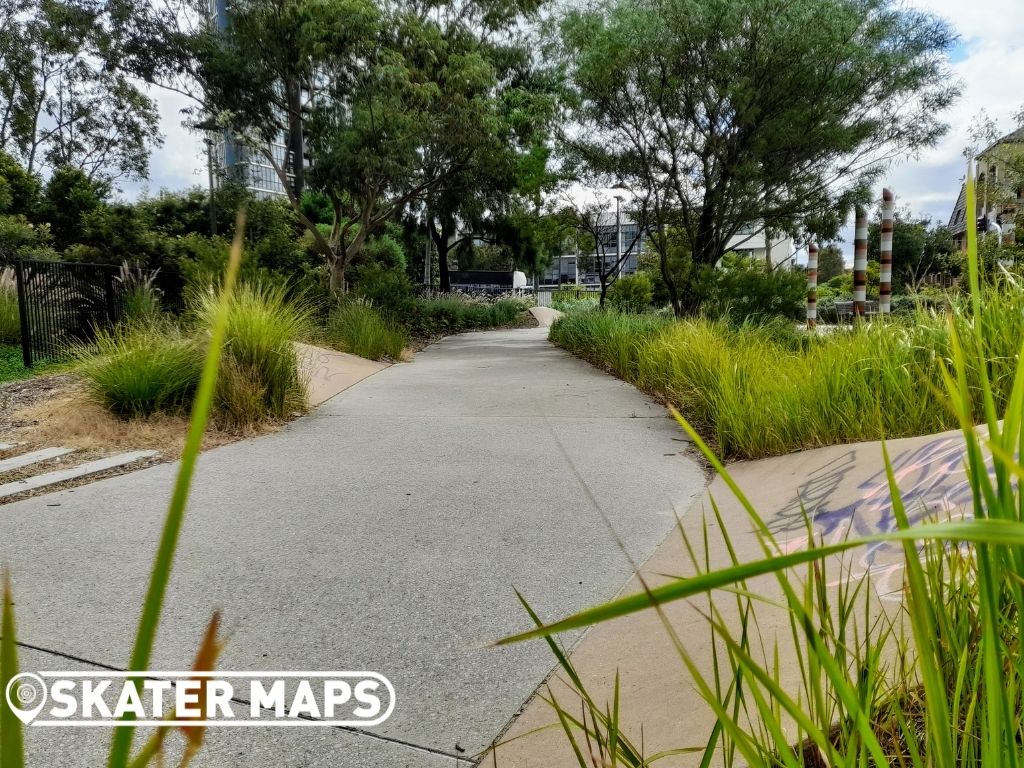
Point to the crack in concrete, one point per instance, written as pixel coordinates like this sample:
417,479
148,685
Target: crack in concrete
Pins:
356,731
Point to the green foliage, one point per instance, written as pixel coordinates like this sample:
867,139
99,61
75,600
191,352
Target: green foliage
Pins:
21,239
754,392
830,263
358,328
919,247
68,95
139,296
389,289
260,365
751,163
573,298
743,288
456,113
631,293
934,680
142,369
19,190
12,365
453,314
70,196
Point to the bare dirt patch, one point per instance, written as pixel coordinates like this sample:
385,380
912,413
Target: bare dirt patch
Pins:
51,411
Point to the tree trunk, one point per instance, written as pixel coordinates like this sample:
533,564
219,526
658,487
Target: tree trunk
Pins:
442,241
337,280
442,268
670,283
296,143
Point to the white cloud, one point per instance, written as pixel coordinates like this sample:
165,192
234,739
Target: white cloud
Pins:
181,161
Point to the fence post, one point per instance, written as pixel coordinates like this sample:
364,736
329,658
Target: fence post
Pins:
860,262
885,254
26,337
812,285
108,295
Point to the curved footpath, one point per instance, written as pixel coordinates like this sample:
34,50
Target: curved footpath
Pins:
384,532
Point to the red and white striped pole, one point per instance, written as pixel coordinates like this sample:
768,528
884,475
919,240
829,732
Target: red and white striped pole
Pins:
860,262
885,254
812,286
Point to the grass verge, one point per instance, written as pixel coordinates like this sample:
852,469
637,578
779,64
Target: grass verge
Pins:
756,390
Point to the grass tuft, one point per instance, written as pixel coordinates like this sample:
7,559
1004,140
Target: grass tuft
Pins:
358,328
141,369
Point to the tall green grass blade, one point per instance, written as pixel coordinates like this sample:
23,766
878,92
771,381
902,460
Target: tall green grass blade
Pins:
995,532
12,746
923,626
120,748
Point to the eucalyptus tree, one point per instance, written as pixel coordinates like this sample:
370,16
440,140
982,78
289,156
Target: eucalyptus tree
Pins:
732,114
64,99
399,101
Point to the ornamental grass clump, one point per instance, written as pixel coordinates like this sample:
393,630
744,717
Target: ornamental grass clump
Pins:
760,389
10,320
260,364
140,369
359,328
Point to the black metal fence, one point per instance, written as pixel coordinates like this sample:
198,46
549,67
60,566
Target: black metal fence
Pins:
64,303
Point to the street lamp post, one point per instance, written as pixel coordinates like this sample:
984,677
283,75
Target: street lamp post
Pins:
209,171
618,236
210,126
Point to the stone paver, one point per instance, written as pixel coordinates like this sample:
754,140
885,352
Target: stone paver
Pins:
32,457
72,473
386,531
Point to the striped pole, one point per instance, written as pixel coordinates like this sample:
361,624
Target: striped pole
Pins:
885,254
860,262
812,286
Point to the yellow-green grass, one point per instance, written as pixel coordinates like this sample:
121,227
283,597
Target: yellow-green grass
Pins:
756,391
358,328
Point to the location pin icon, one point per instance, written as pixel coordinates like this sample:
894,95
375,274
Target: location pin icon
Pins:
26,695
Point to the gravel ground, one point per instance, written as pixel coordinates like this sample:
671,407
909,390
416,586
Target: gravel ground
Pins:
16,395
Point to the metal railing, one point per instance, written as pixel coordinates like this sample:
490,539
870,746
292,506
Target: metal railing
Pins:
63,303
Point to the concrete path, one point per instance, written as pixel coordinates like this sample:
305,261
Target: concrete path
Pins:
384,532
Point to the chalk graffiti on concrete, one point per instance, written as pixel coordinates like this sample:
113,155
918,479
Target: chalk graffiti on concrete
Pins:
932,484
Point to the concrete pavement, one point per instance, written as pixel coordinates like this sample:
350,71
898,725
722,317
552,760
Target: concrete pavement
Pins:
383,532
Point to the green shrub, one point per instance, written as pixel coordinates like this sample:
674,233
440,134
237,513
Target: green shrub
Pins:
576,305
259,352
389,289
632,293
455,313
744,287
140,369
359,328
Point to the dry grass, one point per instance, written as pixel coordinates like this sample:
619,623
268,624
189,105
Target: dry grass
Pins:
70,419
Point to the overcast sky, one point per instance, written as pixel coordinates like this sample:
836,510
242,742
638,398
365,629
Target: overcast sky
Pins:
989,61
